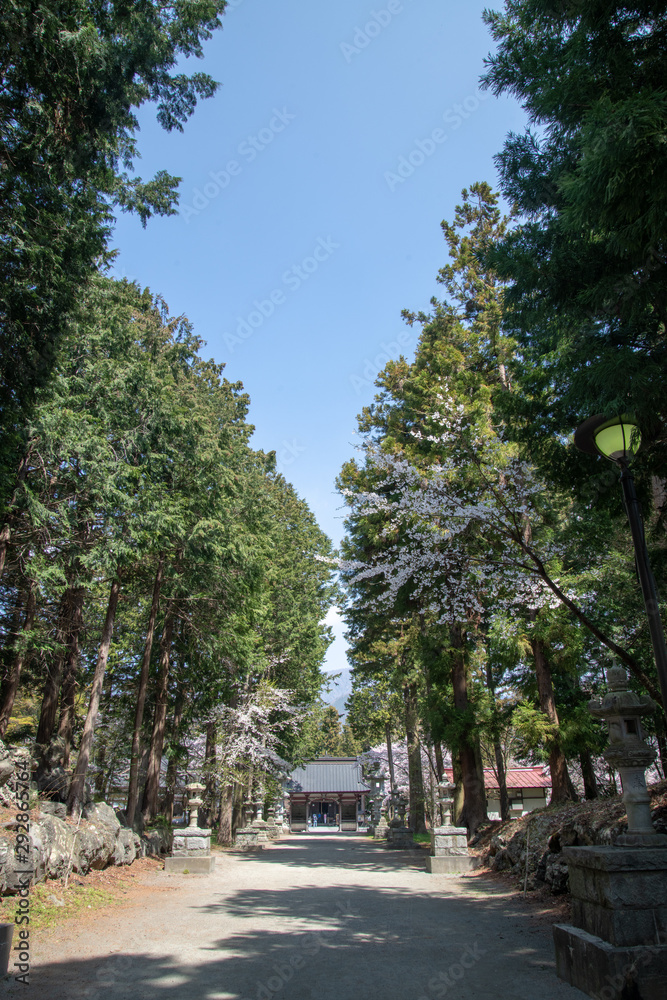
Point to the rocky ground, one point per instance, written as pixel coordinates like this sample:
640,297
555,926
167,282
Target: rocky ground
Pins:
541,837
38,837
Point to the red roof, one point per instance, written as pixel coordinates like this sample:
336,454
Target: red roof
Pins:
517,777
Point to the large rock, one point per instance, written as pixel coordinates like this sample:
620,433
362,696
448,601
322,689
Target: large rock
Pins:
556,874
501,861
7,764
53,784
95,847
157,842
59,845
128,847
58,809
100,814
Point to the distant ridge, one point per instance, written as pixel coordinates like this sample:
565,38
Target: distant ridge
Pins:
340,691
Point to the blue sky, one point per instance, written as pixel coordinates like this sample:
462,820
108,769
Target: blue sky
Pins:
313,187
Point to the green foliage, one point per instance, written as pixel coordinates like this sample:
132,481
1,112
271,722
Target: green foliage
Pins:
139,454
587,299
73,75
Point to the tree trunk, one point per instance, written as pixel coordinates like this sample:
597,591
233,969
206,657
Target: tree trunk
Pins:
415,775
103,777
209,772
10,684
5,532
588,774
662,749
71,618
67,703
76,788
135,753
458,802
439,761
172,766
390,754
225,821
501,774
474,810
237,807
149,805
561,785
5,536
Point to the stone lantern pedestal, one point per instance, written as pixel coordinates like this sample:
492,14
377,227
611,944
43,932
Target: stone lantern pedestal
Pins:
616,945
191,850
449,844
247,837
381,829
399,836
259,824
273,825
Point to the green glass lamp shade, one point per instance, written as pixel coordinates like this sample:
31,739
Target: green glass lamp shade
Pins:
619,441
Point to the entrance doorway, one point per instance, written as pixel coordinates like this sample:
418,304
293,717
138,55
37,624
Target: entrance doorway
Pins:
322,814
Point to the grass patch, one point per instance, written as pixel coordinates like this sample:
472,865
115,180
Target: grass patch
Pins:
50,903
422,838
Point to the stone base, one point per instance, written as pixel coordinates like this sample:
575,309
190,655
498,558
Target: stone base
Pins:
451,864
380,832
619,894
193,865
642,840
446,840
247,839
601,970
261,831
191,841
400,838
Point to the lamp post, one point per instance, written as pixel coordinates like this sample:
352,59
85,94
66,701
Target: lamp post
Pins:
618,440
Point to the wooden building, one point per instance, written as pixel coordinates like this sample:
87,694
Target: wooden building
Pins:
326,792
527,789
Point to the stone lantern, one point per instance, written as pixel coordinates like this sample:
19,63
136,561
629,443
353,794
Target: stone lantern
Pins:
274,821
446,791
616,944
382,828
398,835
629,754
449,844
253,832
191,851
194,790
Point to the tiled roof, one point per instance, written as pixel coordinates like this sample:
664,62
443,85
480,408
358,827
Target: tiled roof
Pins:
517,777
328,774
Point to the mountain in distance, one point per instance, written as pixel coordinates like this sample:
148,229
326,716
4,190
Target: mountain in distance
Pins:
340,691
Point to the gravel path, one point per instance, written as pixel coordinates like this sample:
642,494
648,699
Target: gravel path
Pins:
313,917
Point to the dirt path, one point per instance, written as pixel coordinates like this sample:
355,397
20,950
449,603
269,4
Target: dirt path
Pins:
310,918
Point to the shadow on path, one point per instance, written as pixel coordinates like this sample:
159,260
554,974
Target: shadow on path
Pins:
321,919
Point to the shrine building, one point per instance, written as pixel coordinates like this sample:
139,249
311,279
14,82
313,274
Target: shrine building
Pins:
326,792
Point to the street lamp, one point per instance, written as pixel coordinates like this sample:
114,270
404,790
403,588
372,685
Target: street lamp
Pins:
619,440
